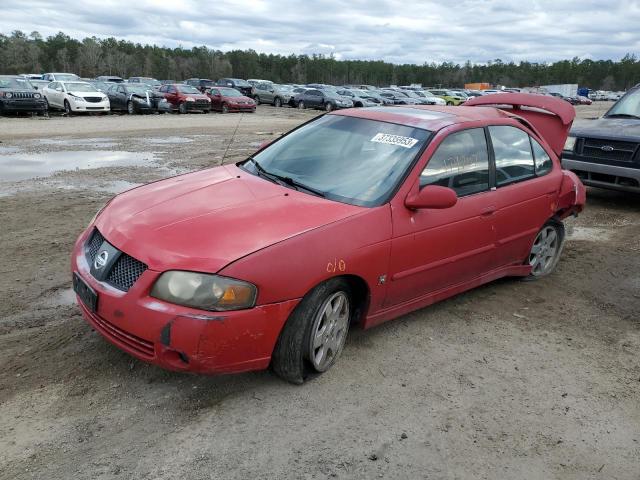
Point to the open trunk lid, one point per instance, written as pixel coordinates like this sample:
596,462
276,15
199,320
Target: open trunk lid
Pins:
551,117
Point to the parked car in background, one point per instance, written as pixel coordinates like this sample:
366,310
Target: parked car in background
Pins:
432,97
422,99
137,98
76,97
272,93
39,84
185,98
584,100
31,76
398,97
18,95
110,79
449,97
348,221
255,81
146,80
605,152
200,83
327,100
101,86
226,100
358,98
241,85
60,77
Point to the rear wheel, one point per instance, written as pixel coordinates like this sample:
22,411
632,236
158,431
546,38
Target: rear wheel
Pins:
450,104
546,249
277,102
313,337
301,105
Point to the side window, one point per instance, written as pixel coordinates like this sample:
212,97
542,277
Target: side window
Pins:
171,89
514,160
162,89
543,162
121,90
215,91
461,162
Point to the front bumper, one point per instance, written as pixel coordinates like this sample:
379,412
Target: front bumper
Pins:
181,338
241,108
600,175
198,107
24,105
77,106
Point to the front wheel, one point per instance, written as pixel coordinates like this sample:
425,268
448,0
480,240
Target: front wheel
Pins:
314,336
277,102
301,105
546,249
328,106
67,108
131,109
225,108
256,99
182,108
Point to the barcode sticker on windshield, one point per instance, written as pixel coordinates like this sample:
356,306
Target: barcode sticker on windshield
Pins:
400,141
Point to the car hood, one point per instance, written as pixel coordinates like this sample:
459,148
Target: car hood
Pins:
607,127
86,94
205,220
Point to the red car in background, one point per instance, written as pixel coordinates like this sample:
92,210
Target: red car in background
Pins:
185,98
354,218
225,100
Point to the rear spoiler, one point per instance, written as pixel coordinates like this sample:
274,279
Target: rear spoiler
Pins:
551,117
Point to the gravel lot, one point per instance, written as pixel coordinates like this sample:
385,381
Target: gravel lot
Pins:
512,380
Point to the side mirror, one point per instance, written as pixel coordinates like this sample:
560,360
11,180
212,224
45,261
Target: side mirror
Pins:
432,196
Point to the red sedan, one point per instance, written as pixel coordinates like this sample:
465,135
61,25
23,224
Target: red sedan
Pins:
353,218
227,100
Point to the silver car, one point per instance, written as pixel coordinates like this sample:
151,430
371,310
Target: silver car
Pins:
272,93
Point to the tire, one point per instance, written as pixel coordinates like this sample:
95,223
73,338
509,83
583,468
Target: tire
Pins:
302,348
358,105
256,99
277,102
328,107
225,108
182,108
449,104
546,250
67,108
301,105
131,108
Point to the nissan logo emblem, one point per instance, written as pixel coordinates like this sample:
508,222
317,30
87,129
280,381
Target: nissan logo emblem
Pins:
101,260
607,148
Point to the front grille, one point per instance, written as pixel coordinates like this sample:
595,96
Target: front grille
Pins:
93,245
135,343
22,95
622,151
125,272
93,99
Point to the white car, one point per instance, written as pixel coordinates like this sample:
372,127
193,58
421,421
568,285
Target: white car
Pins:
430,96
75,97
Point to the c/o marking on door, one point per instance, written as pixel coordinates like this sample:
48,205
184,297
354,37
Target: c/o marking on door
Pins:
336,266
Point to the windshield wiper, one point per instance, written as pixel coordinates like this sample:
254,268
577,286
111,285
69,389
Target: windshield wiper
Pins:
622,115
282,179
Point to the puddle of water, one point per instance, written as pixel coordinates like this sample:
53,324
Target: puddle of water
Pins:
4,150
166,140
24,166
589,234
102,142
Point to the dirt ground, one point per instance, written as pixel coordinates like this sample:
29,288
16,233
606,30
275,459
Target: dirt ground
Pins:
512,380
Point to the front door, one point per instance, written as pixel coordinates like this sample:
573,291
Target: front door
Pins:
434,249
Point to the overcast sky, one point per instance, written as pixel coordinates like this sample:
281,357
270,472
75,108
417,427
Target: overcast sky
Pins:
395,31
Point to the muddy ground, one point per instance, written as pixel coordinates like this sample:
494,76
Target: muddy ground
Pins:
512,380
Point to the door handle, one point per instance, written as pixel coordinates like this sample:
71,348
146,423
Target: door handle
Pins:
488,211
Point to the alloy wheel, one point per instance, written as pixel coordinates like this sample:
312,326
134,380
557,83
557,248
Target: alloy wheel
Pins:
544,251
329,331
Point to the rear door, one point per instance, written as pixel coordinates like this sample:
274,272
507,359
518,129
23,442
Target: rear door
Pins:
526,182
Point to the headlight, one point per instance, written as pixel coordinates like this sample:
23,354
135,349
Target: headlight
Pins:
569,144
208,99
75,98
190,99
36,95
204,291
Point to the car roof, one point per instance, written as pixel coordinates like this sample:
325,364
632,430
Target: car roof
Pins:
427,117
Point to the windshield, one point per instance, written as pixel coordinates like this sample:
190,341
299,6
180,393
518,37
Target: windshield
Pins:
347,159
629,105
66,77
230,92
138,89
80,87
189,89
17,83
240,83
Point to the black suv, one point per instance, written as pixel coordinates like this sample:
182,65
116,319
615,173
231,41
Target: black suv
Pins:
241,85
200,83
606,152
18,95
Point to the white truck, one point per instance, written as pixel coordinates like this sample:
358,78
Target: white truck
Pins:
564,89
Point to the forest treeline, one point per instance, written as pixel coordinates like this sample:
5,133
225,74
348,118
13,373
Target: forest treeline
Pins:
31,53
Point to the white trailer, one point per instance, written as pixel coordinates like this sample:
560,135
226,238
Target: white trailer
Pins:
565,89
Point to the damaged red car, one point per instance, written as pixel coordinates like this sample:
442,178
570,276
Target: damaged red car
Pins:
352,219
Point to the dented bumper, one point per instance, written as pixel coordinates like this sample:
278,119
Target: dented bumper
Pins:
181,338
